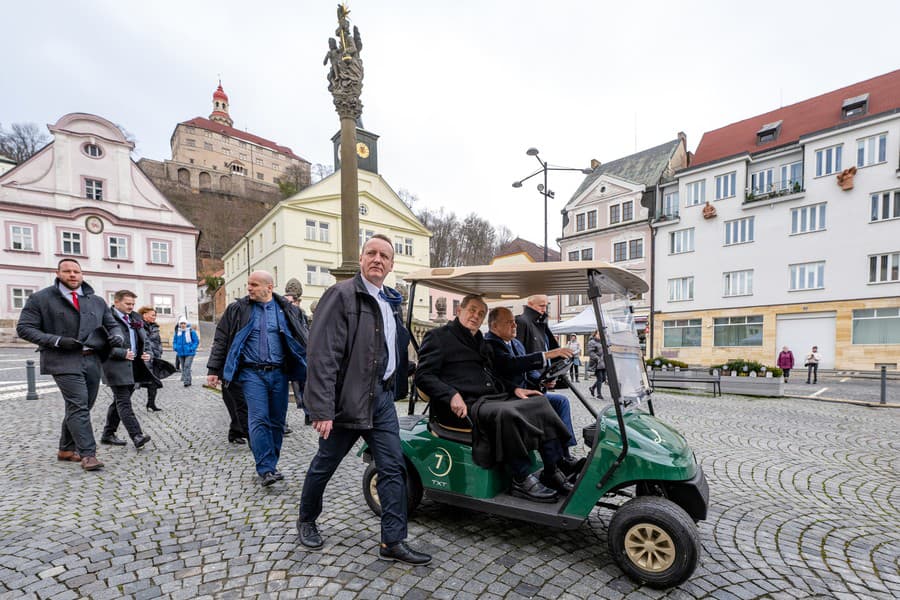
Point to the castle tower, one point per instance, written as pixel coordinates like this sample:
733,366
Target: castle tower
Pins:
220,107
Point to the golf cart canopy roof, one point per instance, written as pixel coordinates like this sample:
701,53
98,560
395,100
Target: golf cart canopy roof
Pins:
501,282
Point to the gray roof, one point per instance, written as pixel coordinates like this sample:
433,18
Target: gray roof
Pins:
646,167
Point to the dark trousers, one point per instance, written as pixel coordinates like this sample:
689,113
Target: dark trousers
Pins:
121,411
384,442
551,451
812,372
266,394
151,396
233,396
79,391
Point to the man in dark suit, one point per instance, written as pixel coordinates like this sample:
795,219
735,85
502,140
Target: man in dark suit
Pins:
123,369
521,369
532,329
59,319
456,372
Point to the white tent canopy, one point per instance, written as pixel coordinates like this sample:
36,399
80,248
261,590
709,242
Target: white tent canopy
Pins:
583,322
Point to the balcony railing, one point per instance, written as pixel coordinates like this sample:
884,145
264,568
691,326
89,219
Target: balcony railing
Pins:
669,214
773,190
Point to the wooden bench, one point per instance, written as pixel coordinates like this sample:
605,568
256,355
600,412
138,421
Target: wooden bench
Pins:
686,376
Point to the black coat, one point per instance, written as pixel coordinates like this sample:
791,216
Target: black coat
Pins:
48,316
514,367
347,357
117,370
532,330
154,341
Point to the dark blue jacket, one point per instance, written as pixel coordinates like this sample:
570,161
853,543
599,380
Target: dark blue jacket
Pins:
520,370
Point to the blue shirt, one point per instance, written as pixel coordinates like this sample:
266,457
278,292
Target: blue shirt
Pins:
131,334
390,327
250,352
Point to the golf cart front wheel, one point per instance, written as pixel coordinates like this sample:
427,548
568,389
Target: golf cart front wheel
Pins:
414,489
654,541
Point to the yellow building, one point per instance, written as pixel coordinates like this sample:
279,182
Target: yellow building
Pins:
301,237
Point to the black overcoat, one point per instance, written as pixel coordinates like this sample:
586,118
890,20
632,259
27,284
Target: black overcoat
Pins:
117,370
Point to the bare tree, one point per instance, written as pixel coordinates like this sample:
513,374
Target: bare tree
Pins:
409,199
22,141
318,172
294,179
456,243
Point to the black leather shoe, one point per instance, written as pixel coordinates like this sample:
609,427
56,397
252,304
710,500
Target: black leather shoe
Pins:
154,408
236,440
570,465
111,440
279,476
141,439
267,479
556,481
288,430
532,489
401,551
309,534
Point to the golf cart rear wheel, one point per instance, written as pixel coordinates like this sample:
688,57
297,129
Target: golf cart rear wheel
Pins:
414,489
654,541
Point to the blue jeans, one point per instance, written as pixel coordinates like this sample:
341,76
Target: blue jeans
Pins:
562,407
384,442
266,393
186,362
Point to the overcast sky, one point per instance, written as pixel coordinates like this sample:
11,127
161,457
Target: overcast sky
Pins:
458,90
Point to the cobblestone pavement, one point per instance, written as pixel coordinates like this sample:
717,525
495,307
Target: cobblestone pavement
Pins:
805,498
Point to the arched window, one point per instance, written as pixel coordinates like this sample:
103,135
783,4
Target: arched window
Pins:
184,177
205,180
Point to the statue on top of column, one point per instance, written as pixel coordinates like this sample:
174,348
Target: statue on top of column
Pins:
346,74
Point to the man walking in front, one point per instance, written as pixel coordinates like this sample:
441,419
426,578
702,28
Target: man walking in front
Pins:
260,344
59,319
358,362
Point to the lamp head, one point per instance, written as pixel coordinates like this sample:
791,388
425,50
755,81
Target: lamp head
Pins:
532,152
517,184
540,187
587,171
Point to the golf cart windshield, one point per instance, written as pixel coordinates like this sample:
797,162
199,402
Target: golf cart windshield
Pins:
625,350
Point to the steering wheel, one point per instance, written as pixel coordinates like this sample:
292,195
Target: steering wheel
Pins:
557,367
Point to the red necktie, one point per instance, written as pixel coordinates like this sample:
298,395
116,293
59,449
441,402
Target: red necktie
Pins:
75,300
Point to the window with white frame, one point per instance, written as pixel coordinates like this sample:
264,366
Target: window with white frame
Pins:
398,247
117,247
739,231
93,189
884,268
573,255
682,333
587,254
577,300
808,276
696,193
163,304
808,218
670,204
92,150
580,220
792,177
828,160
324,231
71,243
738,283
725,185
310,229
681,289
408,246
21,237
762,182
364,235
592,219
318,275
885,205
876,325
19,296
259,161
620,251
738,331
681,241
615,214
159,252
635,248
627,210
871,150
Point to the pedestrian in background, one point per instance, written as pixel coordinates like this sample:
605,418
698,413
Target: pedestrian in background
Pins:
575,347
185,345
59,319
597,363
812,365
785,362
123,369
293,292
155,350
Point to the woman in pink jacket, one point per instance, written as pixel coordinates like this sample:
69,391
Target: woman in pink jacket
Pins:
786,362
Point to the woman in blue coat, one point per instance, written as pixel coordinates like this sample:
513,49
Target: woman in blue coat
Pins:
185,345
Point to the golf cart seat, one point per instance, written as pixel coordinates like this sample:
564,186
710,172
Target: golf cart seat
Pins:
444,424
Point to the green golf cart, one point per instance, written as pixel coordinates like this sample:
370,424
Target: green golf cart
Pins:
636,465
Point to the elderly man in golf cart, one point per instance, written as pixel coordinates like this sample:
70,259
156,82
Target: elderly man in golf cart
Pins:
456,372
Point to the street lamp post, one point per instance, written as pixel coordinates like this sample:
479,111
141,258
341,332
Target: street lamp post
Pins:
542,187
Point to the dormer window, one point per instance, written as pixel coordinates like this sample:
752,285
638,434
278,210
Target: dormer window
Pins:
768,133
854,107
92,150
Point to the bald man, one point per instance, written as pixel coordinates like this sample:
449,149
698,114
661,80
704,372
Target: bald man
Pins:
260,344
531,326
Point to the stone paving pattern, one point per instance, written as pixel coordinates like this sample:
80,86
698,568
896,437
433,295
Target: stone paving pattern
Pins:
805,503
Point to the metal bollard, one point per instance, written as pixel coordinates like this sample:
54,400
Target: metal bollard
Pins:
32,390
883,384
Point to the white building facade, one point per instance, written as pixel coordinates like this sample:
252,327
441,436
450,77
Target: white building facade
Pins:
83,197
785,231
